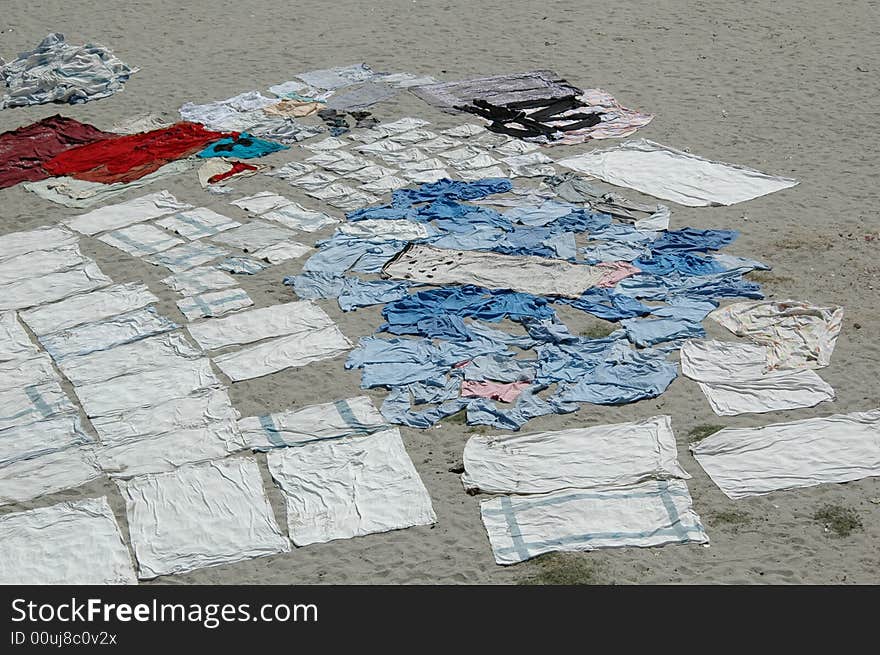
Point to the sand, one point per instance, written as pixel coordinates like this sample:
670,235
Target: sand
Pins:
787,87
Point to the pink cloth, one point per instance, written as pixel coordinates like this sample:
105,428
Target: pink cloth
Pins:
506,393
616,271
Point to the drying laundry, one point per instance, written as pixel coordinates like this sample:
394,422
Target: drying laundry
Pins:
141,123
653,513
615,121
79,194
336,78
233,114
14,341
103,334
401,230
505,392
56,71
27,479
735,380
32,291
187,256
254,236
281,251
206,408
167,349
42,238
670,174
422,263
44,435
247,327
128,157
140,240
747,462
24,150
147,388
200,515
580,458
242,146
198,223
344,488
166,452
365,95
51,261
498,90
29,406
241,265
126,213
87,308
198,280
295,427
796,334
216,303
218,171
72,543
293,108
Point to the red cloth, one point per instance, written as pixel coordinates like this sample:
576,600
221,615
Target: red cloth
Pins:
23,151
129,157
237,167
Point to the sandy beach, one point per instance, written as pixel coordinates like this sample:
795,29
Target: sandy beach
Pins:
788,88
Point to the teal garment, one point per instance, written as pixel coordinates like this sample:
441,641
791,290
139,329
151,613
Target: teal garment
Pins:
244,146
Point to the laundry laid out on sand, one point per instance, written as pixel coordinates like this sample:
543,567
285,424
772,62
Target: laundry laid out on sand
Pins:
473,244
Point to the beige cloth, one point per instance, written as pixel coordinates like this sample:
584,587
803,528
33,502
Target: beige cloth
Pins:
293,108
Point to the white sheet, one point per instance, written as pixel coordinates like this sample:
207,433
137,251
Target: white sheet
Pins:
101,335
41,437
74,543
294,427
253,236
198,280
88,307
282,251
19,373
165,452
753,461
160,351
215,303
19,267
187,256
197,410
200,515
402,229
671,174
284,352
48,288
247,327
538,275
350,487
796,334
22,405
198,223
14,341
652,513
733,378
147,388
126,213
31,478
42,238
579,458
140,240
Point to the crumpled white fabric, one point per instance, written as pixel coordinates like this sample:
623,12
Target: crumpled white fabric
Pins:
200,515
198,280
27,479
140,240
391,230
214,303
34,289
56,71
88,308
73,543
113,217
198,223
579,458
796,334
651,513
538,275
675,175
294,427
53,260
42,238
734,378
753,461
343,488
14,341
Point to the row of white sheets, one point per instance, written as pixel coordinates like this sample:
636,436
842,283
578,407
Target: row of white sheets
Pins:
581,489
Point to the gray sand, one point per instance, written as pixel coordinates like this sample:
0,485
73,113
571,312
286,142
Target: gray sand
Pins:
786,87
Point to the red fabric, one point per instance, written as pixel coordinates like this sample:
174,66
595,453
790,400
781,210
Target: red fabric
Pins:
237,167
23,151
129,157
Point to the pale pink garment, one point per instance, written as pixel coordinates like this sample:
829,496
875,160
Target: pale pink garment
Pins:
506,393
615,272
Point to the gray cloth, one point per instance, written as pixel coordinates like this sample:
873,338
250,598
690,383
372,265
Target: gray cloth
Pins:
499,90
59,72
364,96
